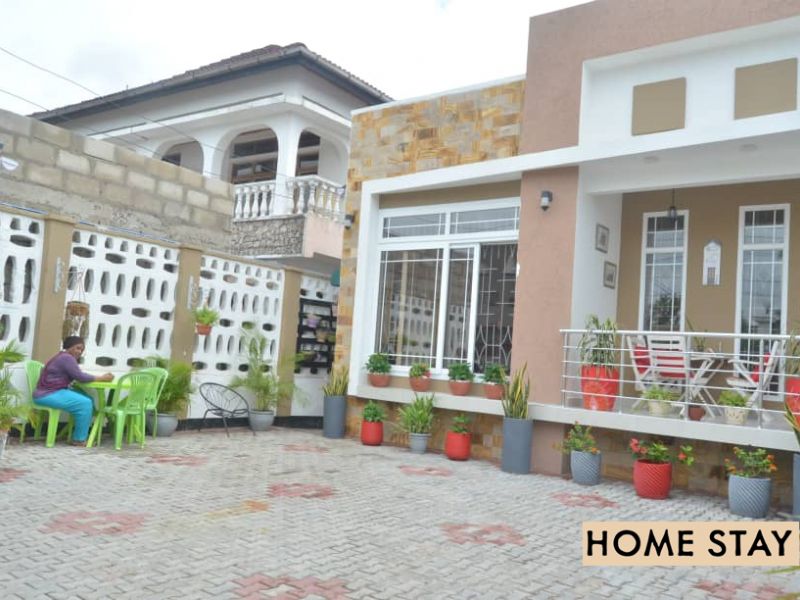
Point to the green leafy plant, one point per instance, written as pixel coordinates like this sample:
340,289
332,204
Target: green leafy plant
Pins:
579,439
753,463
417,417
791,418
10,353
515,396
494,373
460,372
658,452
660,394
205,315
598,345
460,424
378,363
732,398
260,380
419,370
10,410
791,364
374,413
699,342
337,382
177,388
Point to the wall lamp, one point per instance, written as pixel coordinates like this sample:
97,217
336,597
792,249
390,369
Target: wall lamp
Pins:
349,219
546,199
7,164
672,211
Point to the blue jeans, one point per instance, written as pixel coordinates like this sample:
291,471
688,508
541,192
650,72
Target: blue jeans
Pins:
79,405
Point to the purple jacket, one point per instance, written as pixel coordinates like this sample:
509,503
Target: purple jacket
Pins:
58,373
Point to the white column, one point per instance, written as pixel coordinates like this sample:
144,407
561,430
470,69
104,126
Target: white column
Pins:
214,146
288,131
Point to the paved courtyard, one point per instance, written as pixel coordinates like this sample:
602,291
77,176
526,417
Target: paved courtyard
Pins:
289,514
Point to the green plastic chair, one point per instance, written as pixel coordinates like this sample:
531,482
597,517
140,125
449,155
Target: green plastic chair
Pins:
132,393
33,370
152,403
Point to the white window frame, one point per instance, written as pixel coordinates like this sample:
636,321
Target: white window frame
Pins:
426,242
643,259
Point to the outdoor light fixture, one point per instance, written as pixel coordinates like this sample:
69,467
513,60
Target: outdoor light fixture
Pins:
7,164
672,212
349,219
546,199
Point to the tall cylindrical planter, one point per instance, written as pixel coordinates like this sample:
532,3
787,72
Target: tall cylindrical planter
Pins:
517,439
3,440
334,415
371,433
585,467
796,485
418,442
652,480
749,496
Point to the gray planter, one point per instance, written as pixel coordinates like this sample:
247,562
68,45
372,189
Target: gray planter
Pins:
261,420
3,440
334,416
166,424
585,467
749,496
418,442
796,485
517,439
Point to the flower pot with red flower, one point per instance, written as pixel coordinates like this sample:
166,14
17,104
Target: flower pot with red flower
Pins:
372,424
750,483
378,367
205,318
458,439
585,460
494,381
419,376
652,471
461,377
599,369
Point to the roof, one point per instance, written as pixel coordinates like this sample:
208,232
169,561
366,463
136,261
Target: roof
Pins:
247,63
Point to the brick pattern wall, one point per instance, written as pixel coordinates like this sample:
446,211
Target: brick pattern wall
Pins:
95,181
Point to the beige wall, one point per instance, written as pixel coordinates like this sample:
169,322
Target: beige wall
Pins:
509,189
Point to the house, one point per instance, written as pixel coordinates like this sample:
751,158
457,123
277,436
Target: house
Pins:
644,170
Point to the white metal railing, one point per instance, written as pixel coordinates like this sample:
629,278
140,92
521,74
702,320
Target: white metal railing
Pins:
302,195
695,369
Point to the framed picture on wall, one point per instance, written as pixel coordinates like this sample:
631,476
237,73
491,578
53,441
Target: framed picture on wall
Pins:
609,275
601,234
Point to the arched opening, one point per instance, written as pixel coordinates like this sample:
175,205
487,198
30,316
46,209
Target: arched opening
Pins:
253,156
308,154
188,155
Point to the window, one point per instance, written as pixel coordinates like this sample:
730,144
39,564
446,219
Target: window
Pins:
173,159
663,272
445,298
254,159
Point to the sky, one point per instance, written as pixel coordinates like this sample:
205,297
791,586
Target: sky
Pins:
405,48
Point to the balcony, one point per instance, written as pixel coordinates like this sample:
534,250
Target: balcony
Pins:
309,194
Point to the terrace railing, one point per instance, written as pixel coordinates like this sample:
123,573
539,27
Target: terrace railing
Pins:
297,196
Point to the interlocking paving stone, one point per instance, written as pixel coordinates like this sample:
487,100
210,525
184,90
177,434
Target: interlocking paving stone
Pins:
195,515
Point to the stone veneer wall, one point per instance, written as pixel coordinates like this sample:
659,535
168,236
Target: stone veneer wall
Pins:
455,129
102,183
269,237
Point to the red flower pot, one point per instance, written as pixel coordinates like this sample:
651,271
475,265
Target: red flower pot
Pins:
457,445
420,384
696,413
378,379
600,387
793,395
202,329
459,388
371,433
652,480
493,391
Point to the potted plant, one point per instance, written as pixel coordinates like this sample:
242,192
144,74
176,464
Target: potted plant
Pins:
599,369
174,397
458,439
791,369
334,409
205,318
419,376
372,424
10,411
416,419
584,457
494,379
461,377
378,368
750,484
734,405
312,320
517,427
659,400
652,471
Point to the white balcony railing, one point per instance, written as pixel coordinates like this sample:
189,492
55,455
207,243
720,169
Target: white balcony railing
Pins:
295,196
695,373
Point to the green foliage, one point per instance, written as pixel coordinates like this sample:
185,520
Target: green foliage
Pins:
266,387
337,382
177,388
580,439
598,345
732,398
374,413
419,370
460,372
9,396
205,315
417,417
515,396
378,363
494,373
658,452
754,463
791,363
699,342
10,353
660,394
460,424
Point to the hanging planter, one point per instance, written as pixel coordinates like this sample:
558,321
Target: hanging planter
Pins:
76,319
205,318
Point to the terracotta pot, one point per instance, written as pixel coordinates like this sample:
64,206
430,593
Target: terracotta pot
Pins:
371,433
652,480
378,379
457,445
420,384
202,329
493,391
696,413
459,388
600,387
793,395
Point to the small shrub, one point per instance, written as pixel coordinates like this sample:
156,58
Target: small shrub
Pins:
754,463
580,439
494,373
205,315
460,372
658,452
417,417
378,363
460,424
419,370
732,398
374,413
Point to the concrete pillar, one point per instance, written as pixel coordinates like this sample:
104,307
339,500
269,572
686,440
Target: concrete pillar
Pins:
52,286
215,147
183,334
287,344
288,132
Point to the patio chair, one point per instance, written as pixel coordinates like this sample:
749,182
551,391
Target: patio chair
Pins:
673,368
753,377
33,370
641,365
132,392
152,404
222,401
